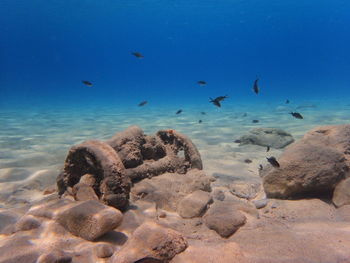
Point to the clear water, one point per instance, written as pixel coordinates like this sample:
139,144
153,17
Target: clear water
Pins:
298,49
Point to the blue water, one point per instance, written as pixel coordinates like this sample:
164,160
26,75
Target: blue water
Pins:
298,48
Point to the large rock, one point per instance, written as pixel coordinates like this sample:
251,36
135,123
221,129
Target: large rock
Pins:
224,219
89,219
168,189
194,205
341,194
151,243
272,137
310,167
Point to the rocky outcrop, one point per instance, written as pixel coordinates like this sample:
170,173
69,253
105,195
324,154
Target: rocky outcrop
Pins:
341,194
272,137
311,167
151,243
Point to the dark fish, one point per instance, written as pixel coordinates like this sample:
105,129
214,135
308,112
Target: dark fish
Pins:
247,161
220,98
256,87
238,141
267,148
87,83
261,167
255,121
287,101
200,121
297,115
201,82
179,111
137,54
215,102
143,103
203,113
272,160
244,114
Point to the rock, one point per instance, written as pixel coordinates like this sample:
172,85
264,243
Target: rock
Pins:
218,195
84,192
27,222
55,256
275,138
18,249
341,194
260,203
210,253
306,170
89,219
224,219
168,189
244,190
7,219
103,251
194,205
343,213
151,242
48,210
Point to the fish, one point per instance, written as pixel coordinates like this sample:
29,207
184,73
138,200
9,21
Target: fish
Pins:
261,167
272,160
87,83
137,54
215,102
267,148
143,103
203,113
220,98
287,101
247,161
255,121
237,141
179,111
297,115
202,82
200,121
256,87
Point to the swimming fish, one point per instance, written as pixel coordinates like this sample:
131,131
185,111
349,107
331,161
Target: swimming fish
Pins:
87,83
179,111
256,87
202,82
261,167
200,121
237,141
220,98
287,101
203,113
137,54
297,115
247,161
272,160
255,121
143,103
267,148
215,102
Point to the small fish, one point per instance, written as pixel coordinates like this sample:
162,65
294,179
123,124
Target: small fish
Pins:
215,102
248,161
137,54
220,98
297,115
244,114
287,101
203,113
202,82
87,83
238,141
272,160
261,167
256,87
143,103
179,111
255,121
200,121
267,148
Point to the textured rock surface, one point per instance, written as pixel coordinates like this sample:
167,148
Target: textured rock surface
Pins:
272,137
151,241
167,190
341,194
90,219
224,219
310,167
194,205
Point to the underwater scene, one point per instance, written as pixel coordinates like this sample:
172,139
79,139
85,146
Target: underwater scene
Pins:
175,131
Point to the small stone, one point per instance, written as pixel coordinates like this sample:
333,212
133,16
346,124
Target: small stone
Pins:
162,214
260,203
89,219
55,257
88,179
194,205
84,192
104,251
341,194
219,195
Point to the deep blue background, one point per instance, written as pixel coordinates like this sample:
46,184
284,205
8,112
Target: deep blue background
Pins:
300,49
